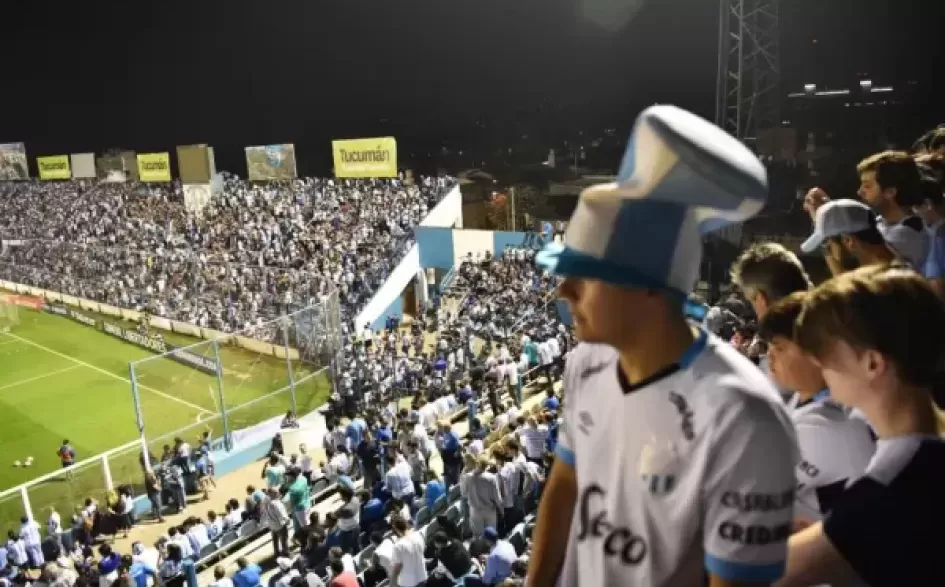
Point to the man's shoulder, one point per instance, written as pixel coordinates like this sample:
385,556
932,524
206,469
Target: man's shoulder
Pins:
589,359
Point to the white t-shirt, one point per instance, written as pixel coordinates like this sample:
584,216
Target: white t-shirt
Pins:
408,552
835,450
689,473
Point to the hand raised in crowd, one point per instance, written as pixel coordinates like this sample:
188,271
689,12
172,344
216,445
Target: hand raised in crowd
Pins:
814,199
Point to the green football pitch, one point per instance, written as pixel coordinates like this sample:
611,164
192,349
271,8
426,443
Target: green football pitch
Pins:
63,380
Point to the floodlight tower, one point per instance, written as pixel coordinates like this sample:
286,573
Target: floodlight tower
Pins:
748,85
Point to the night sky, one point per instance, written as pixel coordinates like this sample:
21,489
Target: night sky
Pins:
148,76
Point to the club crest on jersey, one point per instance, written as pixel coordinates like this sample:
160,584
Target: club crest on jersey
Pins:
659,466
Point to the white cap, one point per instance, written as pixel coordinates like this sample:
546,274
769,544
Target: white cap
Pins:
836,218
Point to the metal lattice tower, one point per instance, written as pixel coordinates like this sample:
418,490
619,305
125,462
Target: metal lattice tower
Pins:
748,86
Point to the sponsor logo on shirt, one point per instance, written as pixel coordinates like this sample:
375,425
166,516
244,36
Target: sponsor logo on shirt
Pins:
758,502
659,466
618,542
754,535
685,414
585,422
808,469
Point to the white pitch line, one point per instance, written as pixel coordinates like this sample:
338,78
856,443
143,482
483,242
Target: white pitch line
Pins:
38,377
104,372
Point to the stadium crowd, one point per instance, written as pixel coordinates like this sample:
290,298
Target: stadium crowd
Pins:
255,252
840,484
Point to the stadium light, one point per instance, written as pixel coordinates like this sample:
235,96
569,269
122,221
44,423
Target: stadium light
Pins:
866,85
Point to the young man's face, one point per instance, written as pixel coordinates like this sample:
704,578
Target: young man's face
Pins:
846,373
791,368
603,313
873,194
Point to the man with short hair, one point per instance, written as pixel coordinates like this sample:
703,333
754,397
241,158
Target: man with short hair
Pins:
889,184
663,424
835,448
861,327
767,272
408,563
848,231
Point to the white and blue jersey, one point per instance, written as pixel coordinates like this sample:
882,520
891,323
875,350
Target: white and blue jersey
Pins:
691,471
835,450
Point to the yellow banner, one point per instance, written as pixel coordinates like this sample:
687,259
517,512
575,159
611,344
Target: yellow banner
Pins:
365,157
54,167
154,166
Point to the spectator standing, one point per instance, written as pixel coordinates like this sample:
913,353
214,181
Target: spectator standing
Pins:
298,497
273,515
484,497
407,560
889,184
862,329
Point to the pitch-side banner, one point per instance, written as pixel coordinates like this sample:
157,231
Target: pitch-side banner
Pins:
365,157
271,162
154,166
83,165
54,167
13,165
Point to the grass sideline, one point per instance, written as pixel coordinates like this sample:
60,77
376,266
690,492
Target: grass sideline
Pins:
61,379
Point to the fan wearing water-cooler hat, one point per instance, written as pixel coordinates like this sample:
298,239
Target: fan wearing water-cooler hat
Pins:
662,421
681,177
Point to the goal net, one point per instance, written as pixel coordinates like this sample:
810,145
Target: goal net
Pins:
9,315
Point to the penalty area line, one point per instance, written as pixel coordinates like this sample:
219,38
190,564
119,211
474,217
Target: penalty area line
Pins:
104,372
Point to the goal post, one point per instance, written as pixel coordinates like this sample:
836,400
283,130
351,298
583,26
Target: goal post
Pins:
9,314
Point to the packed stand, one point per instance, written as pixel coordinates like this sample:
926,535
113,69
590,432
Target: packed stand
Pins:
505,295
256,251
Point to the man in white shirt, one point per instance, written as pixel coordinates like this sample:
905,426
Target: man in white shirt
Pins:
835,448
408,564
666,429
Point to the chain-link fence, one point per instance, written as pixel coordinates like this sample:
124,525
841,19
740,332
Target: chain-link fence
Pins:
238,382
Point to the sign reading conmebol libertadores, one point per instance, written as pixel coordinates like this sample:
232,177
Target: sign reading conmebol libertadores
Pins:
375,157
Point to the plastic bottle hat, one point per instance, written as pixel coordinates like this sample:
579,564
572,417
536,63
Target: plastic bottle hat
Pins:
681,177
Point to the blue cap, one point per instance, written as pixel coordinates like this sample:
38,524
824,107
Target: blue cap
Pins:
490,533
681,177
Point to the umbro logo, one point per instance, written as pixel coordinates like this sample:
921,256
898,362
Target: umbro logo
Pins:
591,371
585,422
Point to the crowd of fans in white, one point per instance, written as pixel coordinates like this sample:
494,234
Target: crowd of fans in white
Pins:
256,251
398,517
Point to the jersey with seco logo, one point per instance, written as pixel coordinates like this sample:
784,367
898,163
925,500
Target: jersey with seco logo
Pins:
689,472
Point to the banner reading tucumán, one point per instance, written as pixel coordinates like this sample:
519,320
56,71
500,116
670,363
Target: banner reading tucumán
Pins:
13,165
271,162
375,157
54,167
154,166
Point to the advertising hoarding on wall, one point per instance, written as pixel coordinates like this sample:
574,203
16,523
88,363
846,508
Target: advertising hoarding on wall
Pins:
54,167
154,166
13,165
83,165
271,162
375,157
193,164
